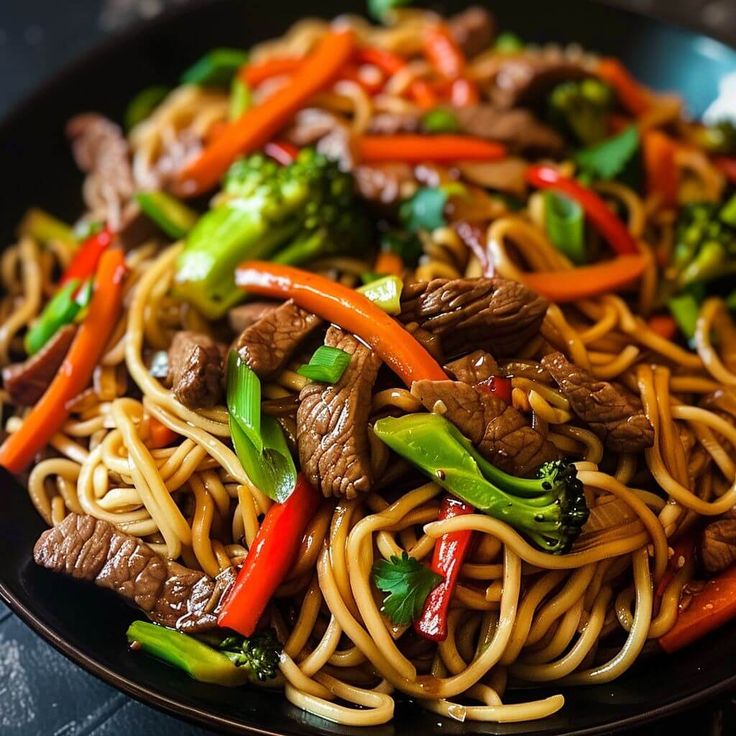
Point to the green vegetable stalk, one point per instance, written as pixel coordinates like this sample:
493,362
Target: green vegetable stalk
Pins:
564,221
235,660
550,509
385,292
290,214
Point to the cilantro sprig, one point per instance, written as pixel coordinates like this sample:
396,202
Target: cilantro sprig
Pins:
408,583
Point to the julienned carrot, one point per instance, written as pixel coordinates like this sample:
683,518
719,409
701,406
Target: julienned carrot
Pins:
389,263
586,281
50,413
712,607
417,148
159,435
633,96
443,52
347,308
422,92
607,224
464,92
261,122
255,74
659,164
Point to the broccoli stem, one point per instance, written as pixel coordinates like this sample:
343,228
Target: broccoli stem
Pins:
549,509
198,660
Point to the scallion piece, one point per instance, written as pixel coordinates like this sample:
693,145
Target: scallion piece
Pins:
44,228
440,120
171,215
508,43
240,98
61,310
258,440
326,365
215,69
385,293
727,214
244,398
565,225
143,104
685,309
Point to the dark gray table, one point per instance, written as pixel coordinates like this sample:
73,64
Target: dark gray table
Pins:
41,693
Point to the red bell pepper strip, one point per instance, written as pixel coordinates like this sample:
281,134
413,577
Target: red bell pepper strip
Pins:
727,166
498,386
710,608
260,123
633,96
464,93
449,554
84,263
50,413
586,281
387,61
347,308
282,152
269,559
663,325
607,224
663,176
418,148
442,52
422,92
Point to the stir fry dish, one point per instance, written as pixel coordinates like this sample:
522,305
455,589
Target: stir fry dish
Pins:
389,359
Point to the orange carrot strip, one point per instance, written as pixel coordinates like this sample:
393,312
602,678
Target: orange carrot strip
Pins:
633,96
255,74
50,413
389,263
664,325
417,148
159,435
587,281
443,52
662,173
347,308
260,123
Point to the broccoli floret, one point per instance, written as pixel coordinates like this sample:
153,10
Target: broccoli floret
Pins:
581,108
705,246
228,661
290,214
719,138
550,510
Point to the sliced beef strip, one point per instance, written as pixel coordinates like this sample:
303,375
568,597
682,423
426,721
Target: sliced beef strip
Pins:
473,368
525,79
610,410
498,430
492,314
332,423
718,543
518,129
384,184
196,369
26,382
102,152
267,344
169,593
473,29
505,176
243,316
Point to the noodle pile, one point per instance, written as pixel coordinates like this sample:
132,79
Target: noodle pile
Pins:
518,613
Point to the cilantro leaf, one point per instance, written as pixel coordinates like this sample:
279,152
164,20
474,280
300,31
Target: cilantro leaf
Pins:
408,583
608,159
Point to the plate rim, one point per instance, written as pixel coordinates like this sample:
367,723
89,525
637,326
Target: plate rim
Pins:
153,698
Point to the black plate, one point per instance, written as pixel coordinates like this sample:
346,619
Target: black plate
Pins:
87,624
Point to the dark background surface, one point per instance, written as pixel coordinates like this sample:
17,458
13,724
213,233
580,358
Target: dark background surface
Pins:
41,693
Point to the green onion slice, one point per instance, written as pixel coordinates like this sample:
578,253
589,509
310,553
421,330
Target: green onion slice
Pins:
385,293
565,225
326,365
